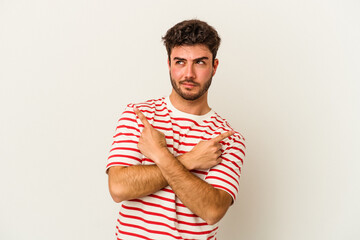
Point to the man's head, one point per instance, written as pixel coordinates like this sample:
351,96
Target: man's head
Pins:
192,46
192,32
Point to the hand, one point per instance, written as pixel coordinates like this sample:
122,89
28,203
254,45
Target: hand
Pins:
152,142
205,154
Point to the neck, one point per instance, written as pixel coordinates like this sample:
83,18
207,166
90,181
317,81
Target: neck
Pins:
196,107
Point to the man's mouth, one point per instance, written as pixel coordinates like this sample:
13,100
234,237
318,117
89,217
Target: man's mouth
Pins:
188,84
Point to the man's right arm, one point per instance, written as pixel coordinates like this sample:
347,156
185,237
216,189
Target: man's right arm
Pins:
134,181
138,181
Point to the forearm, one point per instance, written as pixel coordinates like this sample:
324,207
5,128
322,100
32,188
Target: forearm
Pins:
137,181
200,197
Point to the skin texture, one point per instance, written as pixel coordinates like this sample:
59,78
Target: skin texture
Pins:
191,69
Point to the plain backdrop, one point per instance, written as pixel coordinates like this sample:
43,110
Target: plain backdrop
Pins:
288,80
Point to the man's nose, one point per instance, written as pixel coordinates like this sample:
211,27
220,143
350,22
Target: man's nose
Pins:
190,72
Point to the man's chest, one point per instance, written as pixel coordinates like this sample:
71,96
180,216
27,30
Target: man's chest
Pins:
183,134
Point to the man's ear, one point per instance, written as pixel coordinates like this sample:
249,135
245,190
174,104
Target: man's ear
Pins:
215,65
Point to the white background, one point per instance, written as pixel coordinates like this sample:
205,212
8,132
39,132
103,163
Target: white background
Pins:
288,80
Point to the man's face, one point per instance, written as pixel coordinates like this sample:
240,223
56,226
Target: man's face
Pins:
191,70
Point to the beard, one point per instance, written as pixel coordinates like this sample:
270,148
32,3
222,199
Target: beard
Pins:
190,96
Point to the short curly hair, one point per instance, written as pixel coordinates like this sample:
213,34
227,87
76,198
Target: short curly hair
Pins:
192,32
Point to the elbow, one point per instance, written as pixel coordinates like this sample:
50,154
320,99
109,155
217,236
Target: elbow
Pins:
116,188
118,194
215,216
213,220
116,199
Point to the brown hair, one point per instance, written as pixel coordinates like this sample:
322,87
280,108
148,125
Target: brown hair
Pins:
192,32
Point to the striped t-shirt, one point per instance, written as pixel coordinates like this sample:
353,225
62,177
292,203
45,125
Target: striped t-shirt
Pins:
162,215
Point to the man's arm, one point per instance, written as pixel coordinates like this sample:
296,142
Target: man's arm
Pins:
134,181
141,180
200,197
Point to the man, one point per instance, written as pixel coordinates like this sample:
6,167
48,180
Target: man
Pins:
175,164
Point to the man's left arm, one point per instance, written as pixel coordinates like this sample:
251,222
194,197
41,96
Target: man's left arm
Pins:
200,197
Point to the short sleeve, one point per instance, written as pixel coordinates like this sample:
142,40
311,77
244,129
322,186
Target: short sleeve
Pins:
226,175
124,150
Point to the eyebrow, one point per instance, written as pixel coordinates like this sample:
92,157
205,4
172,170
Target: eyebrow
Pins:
180,59
196,59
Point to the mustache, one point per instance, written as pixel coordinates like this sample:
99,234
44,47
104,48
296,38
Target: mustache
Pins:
189,81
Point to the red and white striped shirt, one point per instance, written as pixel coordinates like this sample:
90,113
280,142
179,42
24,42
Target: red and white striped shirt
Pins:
162,215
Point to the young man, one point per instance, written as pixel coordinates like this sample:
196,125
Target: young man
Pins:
175,164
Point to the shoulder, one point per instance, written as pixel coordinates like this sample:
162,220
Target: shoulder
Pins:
150,108
146,105
152,104
236,139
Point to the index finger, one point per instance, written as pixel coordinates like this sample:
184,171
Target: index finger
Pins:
223,136
142,117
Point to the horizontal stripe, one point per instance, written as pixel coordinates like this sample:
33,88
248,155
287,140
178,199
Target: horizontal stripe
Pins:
158,205
225,173
194,122
235,148
234,163
128,127
222,180
240,143
127,119
126,134
155,113
132,234
169,200
125,149
124,156
236,156
148,230
117,163
147,160
226,189
125,141
164,225
145,106
231,169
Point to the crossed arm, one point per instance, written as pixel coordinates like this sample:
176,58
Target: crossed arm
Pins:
207,202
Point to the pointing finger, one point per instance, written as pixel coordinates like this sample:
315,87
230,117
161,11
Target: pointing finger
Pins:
223,136
142,117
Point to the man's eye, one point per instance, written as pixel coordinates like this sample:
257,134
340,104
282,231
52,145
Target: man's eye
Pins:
179,62
200,62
